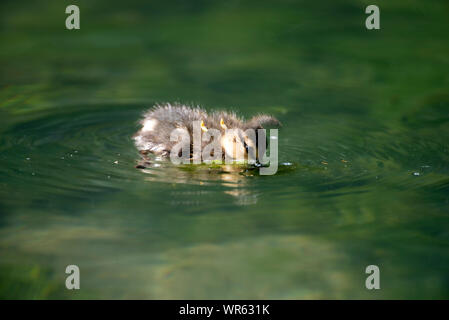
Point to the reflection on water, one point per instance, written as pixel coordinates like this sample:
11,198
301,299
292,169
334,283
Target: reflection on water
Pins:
218,270
364,151
231,177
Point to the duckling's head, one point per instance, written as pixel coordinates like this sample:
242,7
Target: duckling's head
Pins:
236,144
239,140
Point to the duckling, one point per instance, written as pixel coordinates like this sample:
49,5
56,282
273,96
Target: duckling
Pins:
160,121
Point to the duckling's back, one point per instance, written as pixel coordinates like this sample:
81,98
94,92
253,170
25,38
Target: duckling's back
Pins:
159,123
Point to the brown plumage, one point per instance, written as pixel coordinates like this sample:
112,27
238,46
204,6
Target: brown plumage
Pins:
159,122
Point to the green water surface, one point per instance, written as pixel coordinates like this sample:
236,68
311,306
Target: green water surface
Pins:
364,149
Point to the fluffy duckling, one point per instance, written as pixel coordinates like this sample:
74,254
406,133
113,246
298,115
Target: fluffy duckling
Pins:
160,121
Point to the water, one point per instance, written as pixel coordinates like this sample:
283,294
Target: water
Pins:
364,147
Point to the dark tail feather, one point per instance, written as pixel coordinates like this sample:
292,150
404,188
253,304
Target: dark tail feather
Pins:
263,121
